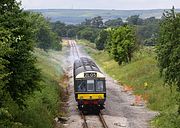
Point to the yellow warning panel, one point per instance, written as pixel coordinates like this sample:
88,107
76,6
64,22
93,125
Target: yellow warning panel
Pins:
90,96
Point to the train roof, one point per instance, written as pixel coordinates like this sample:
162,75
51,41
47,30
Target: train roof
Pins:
85,64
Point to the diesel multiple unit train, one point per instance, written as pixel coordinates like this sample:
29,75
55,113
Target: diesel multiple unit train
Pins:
89,84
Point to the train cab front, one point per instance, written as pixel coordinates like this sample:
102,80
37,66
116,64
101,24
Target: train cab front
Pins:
91,101
90,94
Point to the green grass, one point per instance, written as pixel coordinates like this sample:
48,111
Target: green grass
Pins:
143,69
44,105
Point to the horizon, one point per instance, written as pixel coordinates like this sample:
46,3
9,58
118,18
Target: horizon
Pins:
99,9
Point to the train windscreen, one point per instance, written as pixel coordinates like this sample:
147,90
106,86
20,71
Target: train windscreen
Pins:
81,86
99,85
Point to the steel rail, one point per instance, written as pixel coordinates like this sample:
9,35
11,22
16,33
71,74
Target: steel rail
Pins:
100,117
84,118
102,120
72,48
76,50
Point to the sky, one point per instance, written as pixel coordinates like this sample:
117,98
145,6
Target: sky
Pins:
100,4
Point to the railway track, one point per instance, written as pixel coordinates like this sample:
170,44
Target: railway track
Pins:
101,119
76,55
74,50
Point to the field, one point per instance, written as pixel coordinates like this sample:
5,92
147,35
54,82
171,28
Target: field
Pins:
76,16
142,75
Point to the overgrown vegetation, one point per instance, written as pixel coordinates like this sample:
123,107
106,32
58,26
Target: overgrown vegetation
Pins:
168,57
142,74
168,48
44,105
20,77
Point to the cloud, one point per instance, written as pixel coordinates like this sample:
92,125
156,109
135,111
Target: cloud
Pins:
101,4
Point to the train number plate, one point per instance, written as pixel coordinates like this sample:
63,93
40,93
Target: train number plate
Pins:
90,75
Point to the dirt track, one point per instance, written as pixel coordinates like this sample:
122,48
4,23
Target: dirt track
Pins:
118,113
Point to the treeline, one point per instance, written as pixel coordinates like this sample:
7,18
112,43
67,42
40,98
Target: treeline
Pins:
146,29
20,33
120,38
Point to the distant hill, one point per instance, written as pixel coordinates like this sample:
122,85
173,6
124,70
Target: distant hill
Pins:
76,16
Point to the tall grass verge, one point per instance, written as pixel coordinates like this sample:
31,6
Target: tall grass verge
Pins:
44,105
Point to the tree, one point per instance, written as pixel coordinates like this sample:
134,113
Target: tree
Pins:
97,22
59,28
19,76
71,33
121,43
114,22
45,37
134,20
88,33
24,76
148,32
150,20
17,35
87,22
4,73
101,39
168,49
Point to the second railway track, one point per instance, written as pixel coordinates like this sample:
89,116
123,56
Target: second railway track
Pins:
101,119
